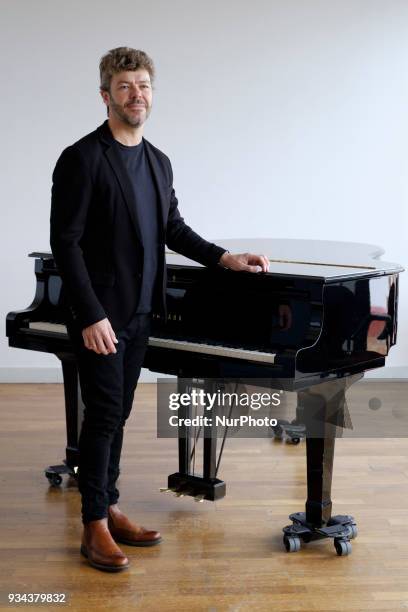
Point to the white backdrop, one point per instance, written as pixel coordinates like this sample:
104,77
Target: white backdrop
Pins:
284,119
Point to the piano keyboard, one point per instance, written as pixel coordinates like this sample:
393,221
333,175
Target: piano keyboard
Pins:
55,328
211,349
178,345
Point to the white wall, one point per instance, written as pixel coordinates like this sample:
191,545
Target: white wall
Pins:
282,119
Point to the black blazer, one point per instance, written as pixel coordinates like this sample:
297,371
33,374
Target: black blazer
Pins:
95,237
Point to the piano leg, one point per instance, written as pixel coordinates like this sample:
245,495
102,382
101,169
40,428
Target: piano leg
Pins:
210,442
74,409
184,482
324,410
319,458
184,439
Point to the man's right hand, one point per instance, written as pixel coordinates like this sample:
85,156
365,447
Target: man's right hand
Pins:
100,337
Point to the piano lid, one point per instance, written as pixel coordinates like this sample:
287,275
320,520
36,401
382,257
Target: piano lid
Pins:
324,259
321,259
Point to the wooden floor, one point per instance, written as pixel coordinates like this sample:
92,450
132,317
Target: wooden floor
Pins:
214,557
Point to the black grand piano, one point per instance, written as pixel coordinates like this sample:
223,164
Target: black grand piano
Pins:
324,314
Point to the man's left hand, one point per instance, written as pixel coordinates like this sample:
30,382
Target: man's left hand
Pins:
245,262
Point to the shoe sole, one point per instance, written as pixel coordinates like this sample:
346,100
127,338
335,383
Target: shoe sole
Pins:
141,543
104,568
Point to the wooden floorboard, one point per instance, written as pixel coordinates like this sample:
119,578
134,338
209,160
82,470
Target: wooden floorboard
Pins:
215,556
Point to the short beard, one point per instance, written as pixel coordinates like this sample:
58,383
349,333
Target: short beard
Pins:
123,117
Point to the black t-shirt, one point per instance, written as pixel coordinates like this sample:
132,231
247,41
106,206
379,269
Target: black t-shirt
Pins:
144,189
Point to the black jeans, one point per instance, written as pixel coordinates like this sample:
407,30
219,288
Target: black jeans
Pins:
108,383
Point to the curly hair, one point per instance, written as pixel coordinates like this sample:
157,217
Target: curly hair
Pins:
123,58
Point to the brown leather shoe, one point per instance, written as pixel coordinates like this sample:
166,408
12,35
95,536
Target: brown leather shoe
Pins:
100,549
126,532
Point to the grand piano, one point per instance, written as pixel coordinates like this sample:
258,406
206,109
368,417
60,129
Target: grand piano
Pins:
324,314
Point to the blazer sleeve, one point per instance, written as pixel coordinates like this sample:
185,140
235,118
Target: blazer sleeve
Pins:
70,200
181,238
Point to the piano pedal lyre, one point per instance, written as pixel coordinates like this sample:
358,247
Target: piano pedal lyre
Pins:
183,493
196,486
199,498
166,490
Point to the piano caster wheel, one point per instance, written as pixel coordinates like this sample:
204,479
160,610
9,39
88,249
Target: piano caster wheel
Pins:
292,543
353,532
278,432
343,547
292,432
54,479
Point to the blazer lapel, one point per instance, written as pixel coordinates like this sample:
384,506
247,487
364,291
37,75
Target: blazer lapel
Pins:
157,173
122,176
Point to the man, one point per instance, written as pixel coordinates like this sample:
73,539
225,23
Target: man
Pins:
113,210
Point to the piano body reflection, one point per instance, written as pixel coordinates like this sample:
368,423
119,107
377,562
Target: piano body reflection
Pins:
324,314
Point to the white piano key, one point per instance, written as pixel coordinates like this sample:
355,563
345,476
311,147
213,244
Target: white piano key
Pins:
196,347
56,328
178,345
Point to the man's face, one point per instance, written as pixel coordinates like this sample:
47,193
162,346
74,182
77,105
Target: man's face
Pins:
130,97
